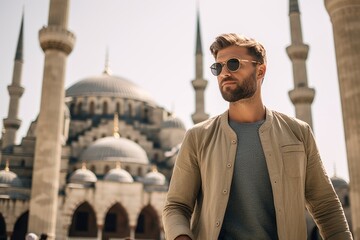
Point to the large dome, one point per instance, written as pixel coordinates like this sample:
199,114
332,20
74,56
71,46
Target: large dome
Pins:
115,149
110,86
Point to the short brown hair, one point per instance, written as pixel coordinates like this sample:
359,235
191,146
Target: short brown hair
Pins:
254,48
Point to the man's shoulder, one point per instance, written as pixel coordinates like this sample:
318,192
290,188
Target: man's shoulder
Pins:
208,123
289,120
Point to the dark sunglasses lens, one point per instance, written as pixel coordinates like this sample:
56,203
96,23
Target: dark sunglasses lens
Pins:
233,64
216,69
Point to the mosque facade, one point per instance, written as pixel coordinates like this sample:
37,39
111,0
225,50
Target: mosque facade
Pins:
96,162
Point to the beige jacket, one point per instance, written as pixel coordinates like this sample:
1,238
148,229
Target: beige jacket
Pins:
200,184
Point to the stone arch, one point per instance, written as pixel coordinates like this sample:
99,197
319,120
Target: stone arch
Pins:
2,228
116,223
83,223
20,227
148,224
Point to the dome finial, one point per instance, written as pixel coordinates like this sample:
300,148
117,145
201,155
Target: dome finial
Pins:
107,65
7,168
118,165
335,174
154,168
116,125
83,166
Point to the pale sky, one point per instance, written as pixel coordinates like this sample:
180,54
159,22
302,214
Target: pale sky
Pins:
152,43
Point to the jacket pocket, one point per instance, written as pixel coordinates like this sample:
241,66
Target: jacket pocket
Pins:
293,159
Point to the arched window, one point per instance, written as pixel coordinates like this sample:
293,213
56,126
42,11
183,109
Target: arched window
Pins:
105,108
2,227
116,223
130,110
20,227
72,109
79,108
92,108
83,222
118,108
147,224
106,169
146,114
139,171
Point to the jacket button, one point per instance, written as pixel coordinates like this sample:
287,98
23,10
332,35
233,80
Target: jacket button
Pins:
217,224
233,141
224,191
229,165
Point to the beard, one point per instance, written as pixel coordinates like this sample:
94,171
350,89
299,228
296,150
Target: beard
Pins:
242,91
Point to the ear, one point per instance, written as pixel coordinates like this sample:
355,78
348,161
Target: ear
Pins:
261,71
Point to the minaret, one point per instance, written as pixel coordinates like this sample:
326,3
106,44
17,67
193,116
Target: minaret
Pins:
12,123
301,96
345,18
199,83
57,43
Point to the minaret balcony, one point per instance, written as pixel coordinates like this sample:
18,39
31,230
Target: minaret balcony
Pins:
12,123
302,95
15,90
298,51
58,38
199,84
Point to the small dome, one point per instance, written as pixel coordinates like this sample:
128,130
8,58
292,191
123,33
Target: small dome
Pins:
154,178
115,149
339,182
173,122
109,86
118,175
82,176
9,178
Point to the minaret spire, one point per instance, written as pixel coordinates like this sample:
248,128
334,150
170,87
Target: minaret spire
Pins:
301,96
107,65
12,123
57,43
199,83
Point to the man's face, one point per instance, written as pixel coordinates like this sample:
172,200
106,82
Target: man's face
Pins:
240,84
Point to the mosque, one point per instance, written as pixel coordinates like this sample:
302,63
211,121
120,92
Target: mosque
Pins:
96,162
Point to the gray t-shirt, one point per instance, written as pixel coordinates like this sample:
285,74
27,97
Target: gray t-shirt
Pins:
250,212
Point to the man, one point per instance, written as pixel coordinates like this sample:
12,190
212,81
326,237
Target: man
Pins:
250,172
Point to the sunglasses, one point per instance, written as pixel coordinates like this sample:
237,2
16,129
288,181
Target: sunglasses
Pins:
233,64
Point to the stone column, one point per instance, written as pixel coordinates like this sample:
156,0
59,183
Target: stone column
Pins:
57,42
345,18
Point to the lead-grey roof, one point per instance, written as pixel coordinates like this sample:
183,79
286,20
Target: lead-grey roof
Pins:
118,175
114,149
111,86
9,178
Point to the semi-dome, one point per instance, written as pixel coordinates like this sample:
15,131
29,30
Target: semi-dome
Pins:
173,122
115,149
118,175
154,178
83,176
9,178
109,86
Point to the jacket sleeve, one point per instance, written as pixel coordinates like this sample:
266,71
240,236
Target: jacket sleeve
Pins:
183,191
322,201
